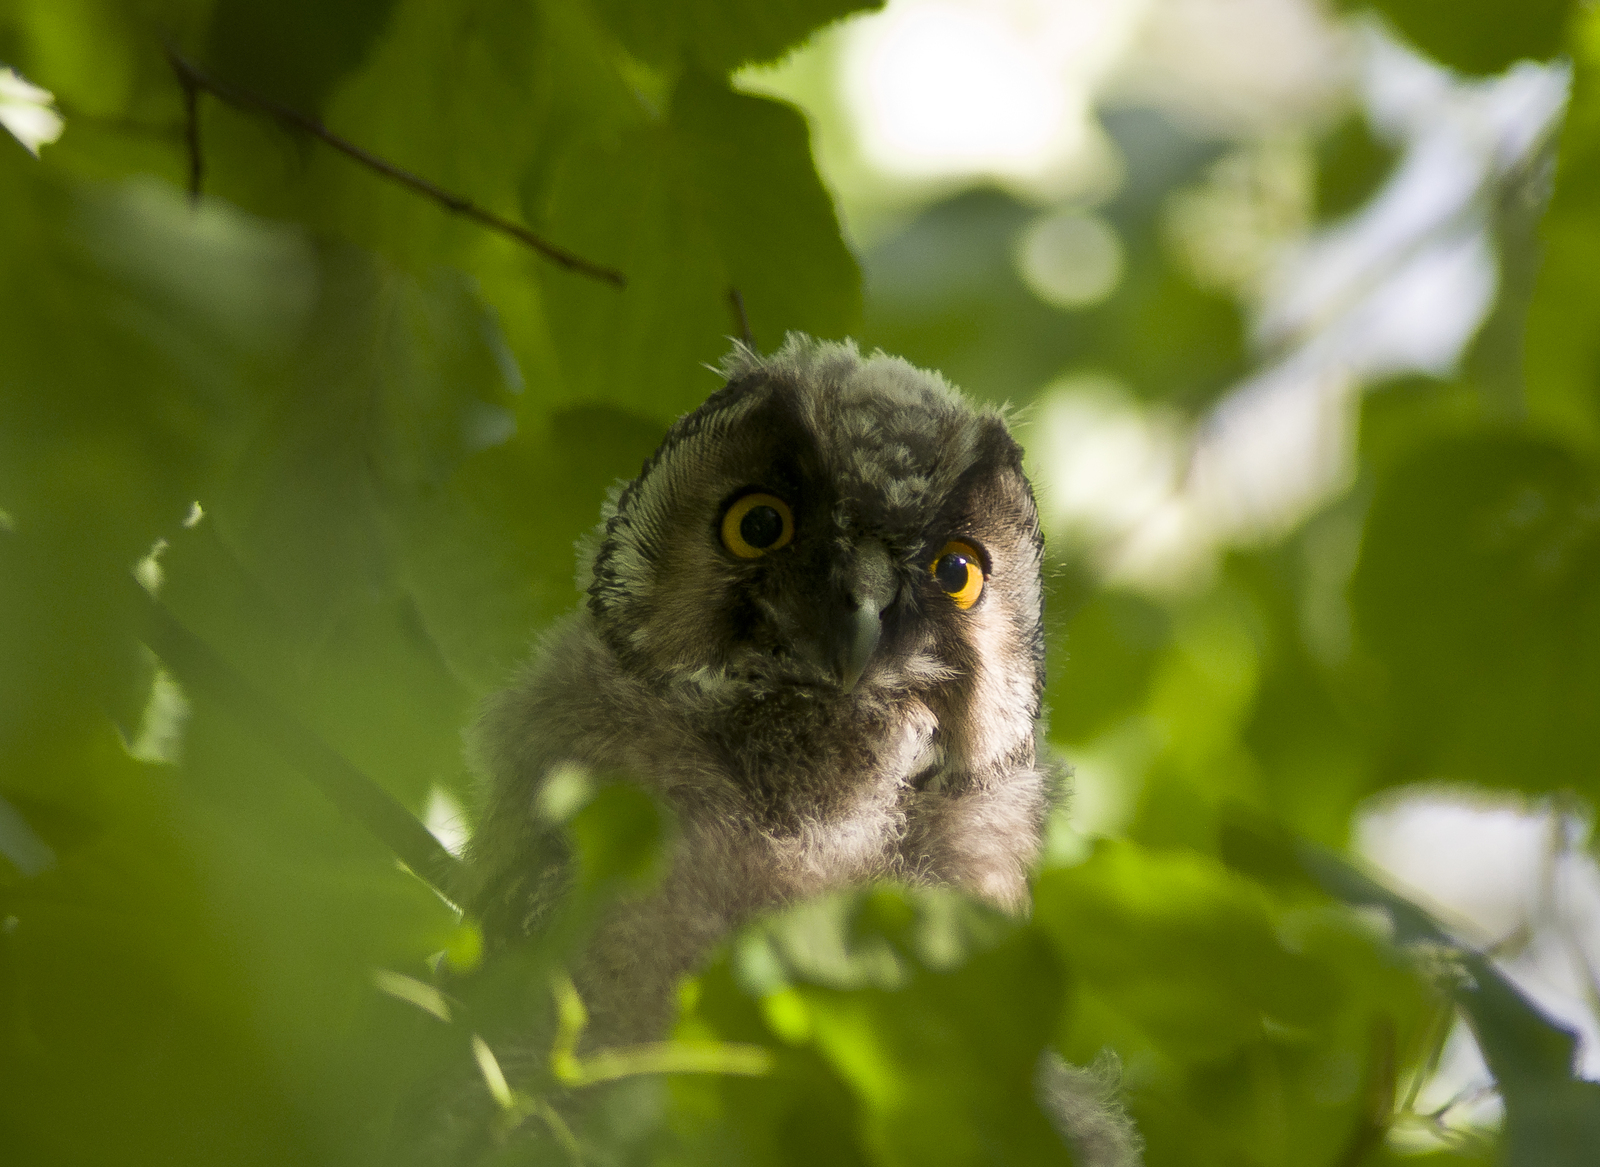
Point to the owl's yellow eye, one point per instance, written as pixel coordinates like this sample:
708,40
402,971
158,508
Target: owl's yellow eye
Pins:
757,524
959,571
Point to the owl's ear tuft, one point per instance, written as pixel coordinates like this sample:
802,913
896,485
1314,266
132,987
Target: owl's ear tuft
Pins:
740,362
801,358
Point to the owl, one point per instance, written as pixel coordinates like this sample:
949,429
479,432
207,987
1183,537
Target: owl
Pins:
813,630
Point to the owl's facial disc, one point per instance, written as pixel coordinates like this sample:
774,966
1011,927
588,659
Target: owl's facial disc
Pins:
835,526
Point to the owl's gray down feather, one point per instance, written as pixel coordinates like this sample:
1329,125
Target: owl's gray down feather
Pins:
822,704
1083,1104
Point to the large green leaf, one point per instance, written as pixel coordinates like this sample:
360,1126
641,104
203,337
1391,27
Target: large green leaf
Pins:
716,35
1552,1115
1479,590
294,53
1561,358
1477,36
717,197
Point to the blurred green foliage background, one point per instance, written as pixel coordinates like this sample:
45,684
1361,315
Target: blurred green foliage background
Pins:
396,423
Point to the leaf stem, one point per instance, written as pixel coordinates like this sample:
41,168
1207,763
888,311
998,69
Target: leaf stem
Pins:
656,1057
741,318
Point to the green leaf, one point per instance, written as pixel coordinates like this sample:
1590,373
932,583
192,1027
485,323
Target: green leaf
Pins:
296,52
1104,663
1182,946
717,36
1351,163
946,292
720,196
496,556
1478,36
1552,1116
1561,357
1479,591
943,1068
620,838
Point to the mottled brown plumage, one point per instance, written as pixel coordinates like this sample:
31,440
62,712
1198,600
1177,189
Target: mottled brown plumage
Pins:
818,715
814,630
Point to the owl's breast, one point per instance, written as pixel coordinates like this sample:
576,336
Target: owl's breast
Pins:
805,758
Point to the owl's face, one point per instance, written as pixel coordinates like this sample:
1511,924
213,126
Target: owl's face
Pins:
846,525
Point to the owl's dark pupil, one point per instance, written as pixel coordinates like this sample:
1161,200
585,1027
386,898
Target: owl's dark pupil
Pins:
761,527
951,572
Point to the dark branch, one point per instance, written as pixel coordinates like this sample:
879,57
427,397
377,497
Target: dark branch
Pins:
203,672
191,134
1377,1096
741,318
195,79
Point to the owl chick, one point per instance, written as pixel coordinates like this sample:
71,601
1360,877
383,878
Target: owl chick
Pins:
813,630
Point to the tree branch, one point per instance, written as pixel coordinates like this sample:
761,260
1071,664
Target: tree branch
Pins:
195,80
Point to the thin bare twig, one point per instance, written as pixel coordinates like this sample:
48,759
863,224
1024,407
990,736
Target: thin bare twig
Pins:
1467,1095
741,318
191,134
194,79
1437,1032
1377,1096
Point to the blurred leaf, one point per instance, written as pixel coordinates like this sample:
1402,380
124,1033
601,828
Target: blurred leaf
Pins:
720,195
1111,647
1552,1116
294,53
1311,723
1478,36
1479,590
943,1067
1188,916
1243,1026
945,291
1561,357
619,837
200,669
806,1113
717,36
398,426
394,386
496,556
1351,163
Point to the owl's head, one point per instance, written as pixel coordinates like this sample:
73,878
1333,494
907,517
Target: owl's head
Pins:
833,521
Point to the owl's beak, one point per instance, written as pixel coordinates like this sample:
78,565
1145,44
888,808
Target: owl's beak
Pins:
872,588
866,625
